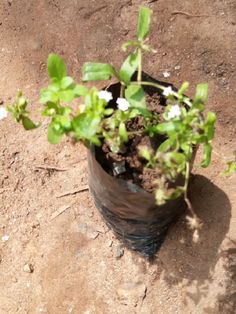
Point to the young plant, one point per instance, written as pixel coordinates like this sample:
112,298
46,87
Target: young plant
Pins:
85,115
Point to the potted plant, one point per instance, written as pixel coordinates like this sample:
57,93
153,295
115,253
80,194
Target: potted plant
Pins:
141,135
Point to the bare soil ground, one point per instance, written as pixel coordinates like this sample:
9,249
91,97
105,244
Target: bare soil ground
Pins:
73,256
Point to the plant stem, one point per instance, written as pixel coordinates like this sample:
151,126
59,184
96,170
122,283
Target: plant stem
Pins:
122,89
149,84
187,176
140,66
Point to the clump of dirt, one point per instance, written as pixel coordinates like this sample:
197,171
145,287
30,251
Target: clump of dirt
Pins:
130,166
156,103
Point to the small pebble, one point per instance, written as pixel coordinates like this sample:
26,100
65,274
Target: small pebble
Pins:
28,268
166,74
41,309
119,252
5,238
14,279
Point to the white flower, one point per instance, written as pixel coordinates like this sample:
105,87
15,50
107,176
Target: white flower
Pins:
122,103
168,91
3,113
166,74
174,112
105,95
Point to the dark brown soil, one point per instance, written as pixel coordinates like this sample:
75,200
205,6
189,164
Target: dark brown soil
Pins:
131,167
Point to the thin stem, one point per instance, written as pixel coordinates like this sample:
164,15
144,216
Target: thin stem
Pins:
187,176
140,65
122,90
149,84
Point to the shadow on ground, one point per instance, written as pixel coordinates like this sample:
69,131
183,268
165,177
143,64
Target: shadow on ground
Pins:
192,264
226,303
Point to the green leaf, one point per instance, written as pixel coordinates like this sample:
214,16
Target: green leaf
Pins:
188,150
167,127
66,82
80,90
129,66
54,135
183,88
56,67
145,152
28,124
123,132
66,95
85,126
201,93
47,96
97,71
50,109
179,158
130,43
95,140
135,96
143,22
108,112
165,146
207,150
176,193
210,125
231,168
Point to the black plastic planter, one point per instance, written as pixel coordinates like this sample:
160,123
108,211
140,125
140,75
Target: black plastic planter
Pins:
129,210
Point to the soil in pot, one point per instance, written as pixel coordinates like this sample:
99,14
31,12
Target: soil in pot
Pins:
128,165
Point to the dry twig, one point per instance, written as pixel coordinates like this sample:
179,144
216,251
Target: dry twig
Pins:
188,14
83,189
53,168
60,211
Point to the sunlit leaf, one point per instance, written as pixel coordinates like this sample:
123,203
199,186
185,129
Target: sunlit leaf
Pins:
28,124
66,82
143,22
135,96
183,88
201,93
54,135
123,132
207,151
128,68
97,71
80,90
231,168
56,67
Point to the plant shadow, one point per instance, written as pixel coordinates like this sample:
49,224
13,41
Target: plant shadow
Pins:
188,263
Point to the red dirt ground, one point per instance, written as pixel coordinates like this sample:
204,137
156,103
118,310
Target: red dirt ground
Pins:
73,255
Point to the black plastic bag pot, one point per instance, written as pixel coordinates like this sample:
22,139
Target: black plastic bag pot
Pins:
129,210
